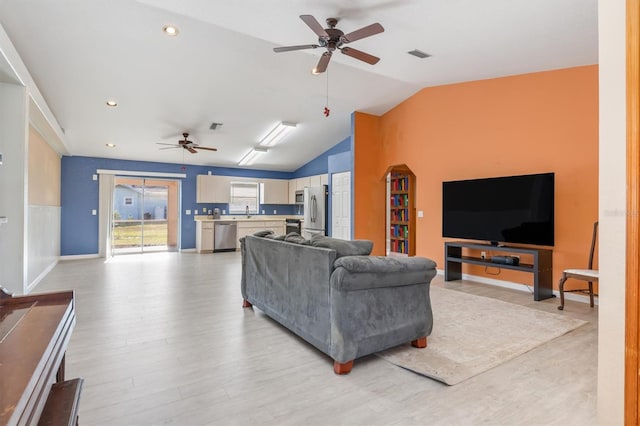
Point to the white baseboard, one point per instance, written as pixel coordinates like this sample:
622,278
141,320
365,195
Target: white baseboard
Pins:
521,287
191,250
80,256
43,274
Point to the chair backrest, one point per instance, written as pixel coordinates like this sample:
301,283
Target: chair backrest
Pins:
593,244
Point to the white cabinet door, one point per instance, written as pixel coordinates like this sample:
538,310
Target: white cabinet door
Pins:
324,179
221,189
292,191
276,191
204,189
204,236
315,180
302,183
212,189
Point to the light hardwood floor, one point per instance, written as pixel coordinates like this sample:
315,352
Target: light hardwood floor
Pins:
162,338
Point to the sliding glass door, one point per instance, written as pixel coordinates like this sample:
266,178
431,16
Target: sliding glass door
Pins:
145,215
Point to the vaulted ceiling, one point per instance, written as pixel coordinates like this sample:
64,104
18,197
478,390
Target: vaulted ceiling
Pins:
221,66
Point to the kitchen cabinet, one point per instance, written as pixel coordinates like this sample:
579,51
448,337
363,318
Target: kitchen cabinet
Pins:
324,179
292,191
249,227
212,189
204,236
302,183
315,180
275,191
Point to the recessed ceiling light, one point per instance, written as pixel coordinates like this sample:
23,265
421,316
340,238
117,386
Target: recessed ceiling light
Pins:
110,145
112,103
170,30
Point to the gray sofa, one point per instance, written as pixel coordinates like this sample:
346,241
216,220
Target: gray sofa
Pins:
347,306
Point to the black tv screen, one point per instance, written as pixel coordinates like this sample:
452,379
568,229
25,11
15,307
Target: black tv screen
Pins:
513,209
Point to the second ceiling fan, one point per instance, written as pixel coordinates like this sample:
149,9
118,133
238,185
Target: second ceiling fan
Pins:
332,38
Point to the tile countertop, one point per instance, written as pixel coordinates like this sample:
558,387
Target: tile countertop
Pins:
258,217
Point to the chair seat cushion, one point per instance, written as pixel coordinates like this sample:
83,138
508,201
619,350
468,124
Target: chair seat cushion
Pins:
592,273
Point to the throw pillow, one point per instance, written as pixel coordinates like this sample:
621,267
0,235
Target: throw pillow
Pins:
263,233
294,237
343,247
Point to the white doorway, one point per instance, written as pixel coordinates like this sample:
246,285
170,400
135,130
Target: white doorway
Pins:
341,205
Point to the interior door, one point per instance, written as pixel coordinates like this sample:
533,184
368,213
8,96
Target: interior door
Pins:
341,205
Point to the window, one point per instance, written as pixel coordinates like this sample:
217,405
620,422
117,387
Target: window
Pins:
243,195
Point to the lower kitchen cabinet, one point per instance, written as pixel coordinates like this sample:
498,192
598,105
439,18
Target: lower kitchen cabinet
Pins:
204,236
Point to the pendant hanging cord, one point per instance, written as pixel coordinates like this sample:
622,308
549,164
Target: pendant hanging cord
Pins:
327,111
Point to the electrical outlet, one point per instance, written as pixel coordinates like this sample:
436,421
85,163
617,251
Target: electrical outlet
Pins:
263,212
275,212
204,210
187,212
483,254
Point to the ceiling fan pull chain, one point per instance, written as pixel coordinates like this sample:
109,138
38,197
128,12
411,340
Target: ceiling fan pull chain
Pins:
327,111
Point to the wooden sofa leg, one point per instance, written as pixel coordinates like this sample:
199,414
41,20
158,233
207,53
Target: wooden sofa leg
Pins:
246,303
420,342
342,368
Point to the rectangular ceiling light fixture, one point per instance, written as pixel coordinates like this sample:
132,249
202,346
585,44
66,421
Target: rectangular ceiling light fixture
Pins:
252,156
277,134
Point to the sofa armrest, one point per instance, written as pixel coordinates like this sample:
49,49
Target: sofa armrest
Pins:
366,272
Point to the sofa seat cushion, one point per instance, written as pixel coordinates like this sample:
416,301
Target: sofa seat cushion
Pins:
343,247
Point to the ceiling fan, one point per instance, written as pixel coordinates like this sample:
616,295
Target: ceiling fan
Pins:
186,144
332,38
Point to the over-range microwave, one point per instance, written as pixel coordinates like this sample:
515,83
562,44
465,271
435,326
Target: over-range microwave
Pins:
300,197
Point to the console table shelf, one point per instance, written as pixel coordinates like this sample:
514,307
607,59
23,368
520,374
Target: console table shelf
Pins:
542,267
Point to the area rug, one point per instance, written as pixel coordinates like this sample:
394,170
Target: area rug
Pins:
472,334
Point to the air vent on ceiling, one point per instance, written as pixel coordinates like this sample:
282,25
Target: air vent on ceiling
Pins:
419,54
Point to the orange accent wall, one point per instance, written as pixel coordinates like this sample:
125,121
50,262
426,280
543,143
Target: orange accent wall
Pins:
369,185
531,123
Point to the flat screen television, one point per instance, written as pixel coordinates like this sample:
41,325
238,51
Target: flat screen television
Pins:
510,209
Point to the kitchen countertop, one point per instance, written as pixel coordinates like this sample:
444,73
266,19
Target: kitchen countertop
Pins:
242,218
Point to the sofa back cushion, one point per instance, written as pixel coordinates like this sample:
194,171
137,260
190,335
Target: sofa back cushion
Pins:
343,247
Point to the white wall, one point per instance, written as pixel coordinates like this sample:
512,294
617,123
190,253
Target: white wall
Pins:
30,241
43,242
612,212
13,137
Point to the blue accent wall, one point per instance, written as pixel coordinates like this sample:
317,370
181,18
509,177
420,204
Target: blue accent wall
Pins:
318,165
79,193
79,196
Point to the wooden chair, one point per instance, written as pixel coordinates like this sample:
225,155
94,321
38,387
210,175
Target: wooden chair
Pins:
590,275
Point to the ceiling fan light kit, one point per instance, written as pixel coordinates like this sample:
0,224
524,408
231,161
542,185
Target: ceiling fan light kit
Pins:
278,133
332,38
251,156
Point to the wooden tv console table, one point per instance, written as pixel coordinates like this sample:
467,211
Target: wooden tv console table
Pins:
542,267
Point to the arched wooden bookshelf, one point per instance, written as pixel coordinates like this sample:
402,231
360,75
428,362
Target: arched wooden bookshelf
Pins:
401,210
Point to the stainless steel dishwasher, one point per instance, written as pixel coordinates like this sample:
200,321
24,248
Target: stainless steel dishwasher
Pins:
224,236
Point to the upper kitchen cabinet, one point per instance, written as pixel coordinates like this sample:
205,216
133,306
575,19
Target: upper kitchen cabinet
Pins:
212,189
275,191
315,180
302,183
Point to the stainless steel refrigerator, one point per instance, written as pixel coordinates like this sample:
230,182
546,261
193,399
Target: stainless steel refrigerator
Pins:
315,211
